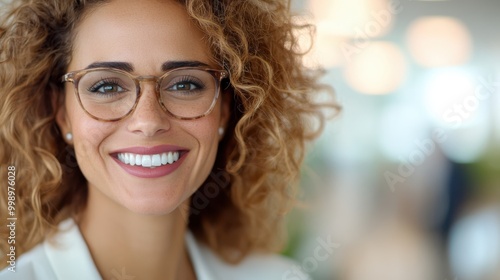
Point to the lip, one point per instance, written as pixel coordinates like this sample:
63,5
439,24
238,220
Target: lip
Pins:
146,172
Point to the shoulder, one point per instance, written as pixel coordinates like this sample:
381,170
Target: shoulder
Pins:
64,256
256,267
253,267
32,265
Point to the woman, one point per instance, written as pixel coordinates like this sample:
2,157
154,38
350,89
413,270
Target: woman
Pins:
150,139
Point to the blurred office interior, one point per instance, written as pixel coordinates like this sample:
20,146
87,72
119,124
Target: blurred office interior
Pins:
405,181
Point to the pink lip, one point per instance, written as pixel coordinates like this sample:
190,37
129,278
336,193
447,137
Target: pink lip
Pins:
146,172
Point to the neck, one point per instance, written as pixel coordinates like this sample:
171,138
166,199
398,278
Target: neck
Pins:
123,243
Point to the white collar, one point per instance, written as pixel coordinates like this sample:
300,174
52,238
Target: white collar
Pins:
68,254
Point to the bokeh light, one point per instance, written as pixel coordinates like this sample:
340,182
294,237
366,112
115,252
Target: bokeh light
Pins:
326,47
401,126
445,91
457,101
439,41
349,17
474,247
468,143
379,69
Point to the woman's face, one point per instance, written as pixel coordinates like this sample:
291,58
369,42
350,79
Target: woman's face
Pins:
145,35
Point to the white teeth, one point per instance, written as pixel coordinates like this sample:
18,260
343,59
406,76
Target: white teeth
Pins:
156,160
164,158
146,161
126,158
151,161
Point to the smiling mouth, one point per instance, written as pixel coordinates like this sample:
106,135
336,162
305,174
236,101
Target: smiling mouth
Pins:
151,161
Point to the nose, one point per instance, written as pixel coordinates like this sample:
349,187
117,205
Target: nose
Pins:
148,118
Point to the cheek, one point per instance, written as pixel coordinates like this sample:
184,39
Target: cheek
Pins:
88,134
208,142
205,131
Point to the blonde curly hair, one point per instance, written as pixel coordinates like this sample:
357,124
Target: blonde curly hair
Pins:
253,181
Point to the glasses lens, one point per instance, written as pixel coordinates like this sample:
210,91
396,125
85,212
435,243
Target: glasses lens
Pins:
107,94
188,93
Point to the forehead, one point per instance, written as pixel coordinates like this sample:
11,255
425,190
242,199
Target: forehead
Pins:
144,33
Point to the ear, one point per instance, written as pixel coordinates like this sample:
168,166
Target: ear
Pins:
225,110
62,120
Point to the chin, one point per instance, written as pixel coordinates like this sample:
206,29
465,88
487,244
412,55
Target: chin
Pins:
150,200
152,206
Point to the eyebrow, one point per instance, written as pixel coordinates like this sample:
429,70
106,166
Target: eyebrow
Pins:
169,65
125,66
166,66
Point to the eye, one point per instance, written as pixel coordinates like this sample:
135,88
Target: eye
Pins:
106,86
184,86
185,83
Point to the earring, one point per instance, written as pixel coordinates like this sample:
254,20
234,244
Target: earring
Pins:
69,136
221,131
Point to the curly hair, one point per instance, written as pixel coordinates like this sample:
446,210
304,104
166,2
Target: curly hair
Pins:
272,115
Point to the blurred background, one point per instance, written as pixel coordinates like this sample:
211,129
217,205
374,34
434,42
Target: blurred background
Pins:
404,184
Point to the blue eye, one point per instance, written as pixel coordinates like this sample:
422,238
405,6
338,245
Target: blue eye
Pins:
106,86
184,86
185,83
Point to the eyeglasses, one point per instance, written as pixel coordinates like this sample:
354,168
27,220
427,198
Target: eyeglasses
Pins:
109,94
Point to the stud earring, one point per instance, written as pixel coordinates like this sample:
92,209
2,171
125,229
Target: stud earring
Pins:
221,131
69,136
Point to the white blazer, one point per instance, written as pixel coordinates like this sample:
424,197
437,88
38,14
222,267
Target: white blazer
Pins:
70,259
